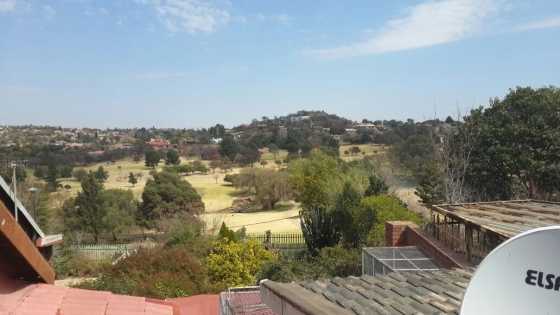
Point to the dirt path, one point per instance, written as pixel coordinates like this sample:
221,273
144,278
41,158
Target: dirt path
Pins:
406,193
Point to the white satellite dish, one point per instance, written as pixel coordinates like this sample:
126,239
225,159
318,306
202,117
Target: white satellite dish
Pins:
519,277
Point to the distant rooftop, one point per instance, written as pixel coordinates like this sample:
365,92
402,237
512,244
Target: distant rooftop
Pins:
419,292
505,218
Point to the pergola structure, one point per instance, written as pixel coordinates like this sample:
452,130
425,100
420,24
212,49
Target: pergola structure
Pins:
475,229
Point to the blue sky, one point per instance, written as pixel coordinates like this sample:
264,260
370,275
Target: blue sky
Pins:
194,63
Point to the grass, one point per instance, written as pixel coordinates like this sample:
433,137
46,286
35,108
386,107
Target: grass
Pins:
216,194
365,150
269,157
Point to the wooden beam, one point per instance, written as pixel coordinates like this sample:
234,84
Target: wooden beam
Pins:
24,246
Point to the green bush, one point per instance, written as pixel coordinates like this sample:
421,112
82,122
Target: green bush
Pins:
387,208
330,262
156,273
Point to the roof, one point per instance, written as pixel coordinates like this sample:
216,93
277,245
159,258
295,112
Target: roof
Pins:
205,304
244,301
505,218
44,299
7,196
404,258
415,292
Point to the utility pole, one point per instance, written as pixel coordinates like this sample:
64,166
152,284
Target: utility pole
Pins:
14,190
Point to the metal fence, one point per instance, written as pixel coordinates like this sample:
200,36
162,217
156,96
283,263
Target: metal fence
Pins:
279,240
109,252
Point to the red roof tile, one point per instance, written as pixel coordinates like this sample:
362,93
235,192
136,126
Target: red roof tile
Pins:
198,304
18,298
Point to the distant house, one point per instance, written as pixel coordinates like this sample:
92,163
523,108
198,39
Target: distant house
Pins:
159,144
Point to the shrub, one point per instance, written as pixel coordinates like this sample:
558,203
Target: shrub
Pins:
387,208
156,273
234,264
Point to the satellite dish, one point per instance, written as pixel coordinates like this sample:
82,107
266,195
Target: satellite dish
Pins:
521,276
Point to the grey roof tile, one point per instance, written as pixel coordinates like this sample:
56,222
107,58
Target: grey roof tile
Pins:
425,292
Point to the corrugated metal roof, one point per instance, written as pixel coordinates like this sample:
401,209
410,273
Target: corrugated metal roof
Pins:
505,218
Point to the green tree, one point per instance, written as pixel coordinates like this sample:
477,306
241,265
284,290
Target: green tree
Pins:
346,206
101,174
376,186
172,158
87,212
229,147
430,187
120,207
151,158
166,196
132,179
52,177
516,150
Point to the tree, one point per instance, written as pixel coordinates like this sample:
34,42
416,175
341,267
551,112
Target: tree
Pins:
101,174
166,196
172,158
232,264
214,164
229,147
431,185
318,228
120,206
274,149
65,171
516,145
52,177
198,166
132,179
86,212
376,186
346,204
151,158
272,187
355,150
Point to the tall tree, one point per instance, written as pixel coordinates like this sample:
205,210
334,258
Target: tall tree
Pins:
166,196
172,158
517,145
87,212
229,147
101,174
151,158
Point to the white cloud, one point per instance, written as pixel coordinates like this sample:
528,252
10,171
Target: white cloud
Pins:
550,22
7,5
49,12
191,16
426,24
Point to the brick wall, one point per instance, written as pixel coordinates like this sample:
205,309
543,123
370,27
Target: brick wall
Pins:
406,233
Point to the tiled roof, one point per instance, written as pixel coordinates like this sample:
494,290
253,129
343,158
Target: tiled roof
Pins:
204,304
245,303
45,299
505,218
424,292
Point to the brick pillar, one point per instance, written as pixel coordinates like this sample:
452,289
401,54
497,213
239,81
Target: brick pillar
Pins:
395,232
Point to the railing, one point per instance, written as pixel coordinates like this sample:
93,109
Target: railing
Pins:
108,252
279,240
